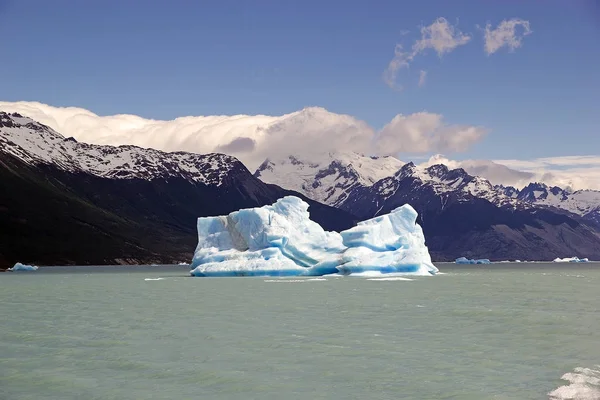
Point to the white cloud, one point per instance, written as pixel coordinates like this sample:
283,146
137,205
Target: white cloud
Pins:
575,172
422,77
254,138
425,132
440,36
505,35
401,60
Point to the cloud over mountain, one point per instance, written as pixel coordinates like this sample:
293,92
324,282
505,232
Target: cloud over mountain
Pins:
254,138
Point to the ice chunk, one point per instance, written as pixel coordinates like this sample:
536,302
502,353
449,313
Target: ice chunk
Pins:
391,243
22,267
464,260
571,260
281,240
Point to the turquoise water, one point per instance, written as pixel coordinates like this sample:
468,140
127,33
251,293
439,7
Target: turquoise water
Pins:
475,332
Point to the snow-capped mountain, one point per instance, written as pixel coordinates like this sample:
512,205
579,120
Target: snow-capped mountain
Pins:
331,178
585,203
36,143
460,213
334,177
444,181
414,184
327,178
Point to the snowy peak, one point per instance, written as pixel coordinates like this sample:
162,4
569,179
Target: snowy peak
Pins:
16,121
582,202
334,177
408,170
539,191
443,180
327,177
36,143
509,191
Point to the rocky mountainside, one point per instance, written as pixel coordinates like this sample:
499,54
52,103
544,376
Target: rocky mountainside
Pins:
65,202
461,214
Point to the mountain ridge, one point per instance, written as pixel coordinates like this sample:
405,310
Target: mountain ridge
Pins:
584,202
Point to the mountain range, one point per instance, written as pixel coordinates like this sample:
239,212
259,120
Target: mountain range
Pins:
67,202
64,202
461,214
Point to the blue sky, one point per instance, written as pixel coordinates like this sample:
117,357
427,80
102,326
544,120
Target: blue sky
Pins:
162,60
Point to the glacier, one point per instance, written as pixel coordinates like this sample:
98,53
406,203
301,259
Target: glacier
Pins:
23,267
281,240
464,260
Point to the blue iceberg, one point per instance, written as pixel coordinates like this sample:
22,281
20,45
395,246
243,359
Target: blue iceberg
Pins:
281,240
22,267
464,260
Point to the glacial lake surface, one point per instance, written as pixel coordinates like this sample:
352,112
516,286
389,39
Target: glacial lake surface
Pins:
500,331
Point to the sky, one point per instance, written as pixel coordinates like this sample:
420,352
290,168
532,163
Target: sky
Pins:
498,80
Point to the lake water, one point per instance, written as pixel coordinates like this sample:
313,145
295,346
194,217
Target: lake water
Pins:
475,332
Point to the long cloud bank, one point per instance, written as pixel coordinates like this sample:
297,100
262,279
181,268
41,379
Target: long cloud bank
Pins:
254,138
308,132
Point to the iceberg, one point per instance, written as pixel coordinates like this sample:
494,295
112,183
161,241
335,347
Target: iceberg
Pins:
570,260
22,267
281,240
464,260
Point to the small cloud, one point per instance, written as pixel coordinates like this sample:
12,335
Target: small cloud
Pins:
440,36
505,35
401,60
425,132
422,77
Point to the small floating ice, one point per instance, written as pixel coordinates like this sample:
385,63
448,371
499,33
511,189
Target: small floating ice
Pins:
23,267
570,260
154,279
584,384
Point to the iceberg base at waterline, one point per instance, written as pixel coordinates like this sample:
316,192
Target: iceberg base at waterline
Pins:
23,267
281,240
464,260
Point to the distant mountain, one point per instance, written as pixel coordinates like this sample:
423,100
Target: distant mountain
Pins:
461,214
65,202
329,177
585,203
